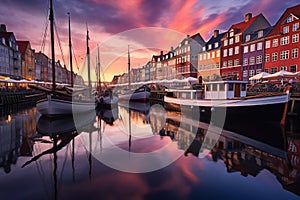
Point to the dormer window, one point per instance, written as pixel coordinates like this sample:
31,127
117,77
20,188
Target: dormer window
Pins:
209,46
289,19
260,34
285,29
247,38
203,48
231,33
216,44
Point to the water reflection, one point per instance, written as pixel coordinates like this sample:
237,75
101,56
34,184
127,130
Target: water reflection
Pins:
63,161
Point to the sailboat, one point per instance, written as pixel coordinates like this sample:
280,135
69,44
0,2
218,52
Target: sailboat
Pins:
58,101
140,94
105,97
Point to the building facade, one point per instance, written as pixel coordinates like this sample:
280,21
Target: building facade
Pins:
210,58
282,43
253,48
28,61
231,54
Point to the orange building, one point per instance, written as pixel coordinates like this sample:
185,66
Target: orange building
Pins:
28,60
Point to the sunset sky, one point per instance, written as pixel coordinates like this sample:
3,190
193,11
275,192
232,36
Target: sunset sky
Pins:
148,26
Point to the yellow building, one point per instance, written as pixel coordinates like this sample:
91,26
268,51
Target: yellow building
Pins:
28,61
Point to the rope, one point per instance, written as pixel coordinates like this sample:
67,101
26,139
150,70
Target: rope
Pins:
44,35
59,43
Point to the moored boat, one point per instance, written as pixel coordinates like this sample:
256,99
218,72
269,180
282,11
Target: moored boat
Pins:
228,98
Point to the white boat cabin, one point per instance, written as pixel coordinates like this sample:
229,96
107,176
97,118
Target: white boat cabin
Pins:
225,89
213,90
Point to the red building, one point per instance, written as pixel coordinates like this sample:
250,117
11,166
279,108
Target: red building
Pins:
282,43
231,53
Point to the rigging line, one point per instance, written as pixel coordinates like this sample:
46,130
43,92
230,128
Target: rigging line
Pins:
44,34
75,59
59,43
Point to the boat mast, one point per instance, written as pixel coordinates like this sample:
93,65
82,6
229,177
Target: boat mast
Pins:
128,68
70,49
51,18
88,61
99,70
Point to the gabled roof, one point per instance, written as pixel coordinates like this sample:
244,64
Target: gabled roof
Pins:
213,40
23,46
254,35
6,35
240,27
295,10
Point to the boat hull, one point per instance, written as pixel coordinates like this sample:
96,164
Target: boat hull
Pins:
142,96
107,102
271,107
52,106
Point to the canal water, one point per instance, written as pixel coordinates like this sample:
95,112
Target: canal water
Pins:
141,151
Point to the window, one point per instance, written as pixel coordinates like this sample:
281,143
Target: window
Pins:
289,19
230,86
258,59
237,39
260,34
231,41
225,43
259,46
216,44
294,53
284,55
267,57
217,64
236,62
275,43
203,48
209,46
230,52
295,38
247,38
236,50
252,47
245,73
221,87
273,70
214,87
246,48
252,61
258,71
251,73
284,40
208,55
283,68
200,67
218,54
268,44
229,63
296,26
224,64
293,68
204,56
285,29
245,61
225,53
200,57
213,54
274,56
231,33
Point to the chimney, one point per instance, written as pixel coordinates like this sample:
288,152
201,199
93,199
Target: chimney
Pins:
188,36
216,33
161,53
248,16
172,48
3,28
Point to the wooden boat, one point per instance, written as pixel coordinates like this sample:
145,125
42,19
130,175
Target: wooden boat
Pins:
105,98
227,98
140,94
62,102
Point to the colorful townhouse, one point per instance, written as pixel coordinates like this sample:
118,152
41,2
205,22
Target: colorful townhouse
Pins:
28,61
11,57
282,43
186,54
231,54
253,48
209,60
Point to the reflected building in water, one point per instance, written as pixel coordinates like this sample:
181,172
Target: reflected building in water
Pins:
17,128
